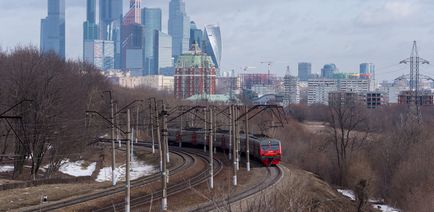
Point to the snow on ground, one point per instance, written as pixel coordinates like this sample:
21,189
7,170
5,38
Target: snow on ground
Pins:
347,193
384,208
138,169
77,168
6,168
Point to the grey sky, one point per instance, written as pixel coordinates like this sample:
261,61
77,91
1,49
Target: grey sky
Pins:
344,32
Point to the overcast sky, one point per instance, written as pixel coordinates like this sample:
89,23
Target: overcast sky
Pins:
344,32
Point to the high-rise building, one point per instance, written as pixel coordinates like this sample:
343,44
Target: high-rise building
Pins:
162,52
90,28
132,48
319,89
99,53
291,90
179,27
134,14
151,20
367,71
195,74
53,28
213,44
110,21
304,71
196,35
328,70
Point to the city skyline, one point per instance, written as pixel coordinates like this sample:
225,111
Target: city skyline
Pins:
377,32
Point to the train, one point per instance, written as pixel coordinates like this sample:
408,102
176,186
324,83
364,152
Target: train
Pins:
266,150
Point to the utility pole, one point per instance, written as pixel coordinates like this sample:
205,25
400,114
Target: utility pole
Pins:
112,119
127,167
211,151
180,136
151,122
117,129
234,146
237,137
247,138
160,149
230,133
137,124
205,130
164,172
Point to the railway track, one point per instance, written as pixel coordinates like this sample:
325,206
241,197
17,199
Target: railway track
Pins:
274,175
203,176
188,161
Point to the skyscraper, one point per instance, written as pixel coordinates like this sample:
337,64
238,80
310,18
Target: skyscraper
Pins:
90,29
367,71
53,28
110,20
99,53
304,71
151,19
179,27
196,35
162,52
328,70
213,44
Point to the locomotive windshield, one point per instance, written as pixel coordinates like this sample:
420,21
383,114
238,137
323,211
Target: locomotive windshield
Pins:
270,147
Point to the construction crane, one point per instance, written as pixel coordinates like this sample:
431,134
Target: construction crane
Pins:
269,63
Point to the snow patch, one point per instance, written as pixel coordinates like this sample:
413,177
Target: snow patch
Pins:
77,168
347,193
6,168
385,208
138,169
382,207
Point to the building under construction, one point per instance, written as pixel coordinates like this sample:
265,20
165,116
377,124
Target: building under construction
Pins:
249,80
195,74
424,98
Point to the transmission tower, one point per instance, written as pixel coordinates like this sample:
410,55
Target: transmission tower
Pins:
415,62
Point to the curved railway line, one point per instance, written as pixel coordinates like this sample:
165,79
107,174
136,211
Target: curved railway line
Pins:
188,160
275,174
203,176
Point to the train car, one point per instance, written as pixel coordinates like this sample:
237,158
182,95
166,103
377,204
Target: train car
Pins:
266,150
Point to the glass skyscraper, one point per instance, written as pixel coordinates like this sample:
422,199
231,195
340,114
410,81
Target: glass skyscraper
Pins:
110,20
213,44
162,52
53,28
367,71
196,35
99,53
179,27
304,71
152,21
328,71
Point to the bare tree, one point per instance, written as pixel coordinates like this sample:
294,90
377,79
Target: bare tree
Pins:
348,128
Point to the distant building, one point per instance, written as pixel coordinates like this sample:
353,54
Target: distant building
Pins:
424,98
152,21
213,44
110,21
367,71
304,71
157,82
99,53
162,52
53,29
90,28
353,85
132,51
291,90
179,27
375,99
336,98
319,89
250,80
196,35
328,71
195,74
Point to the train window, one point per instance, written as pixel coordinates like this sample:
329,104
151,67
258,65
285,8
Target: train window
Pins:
270,147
